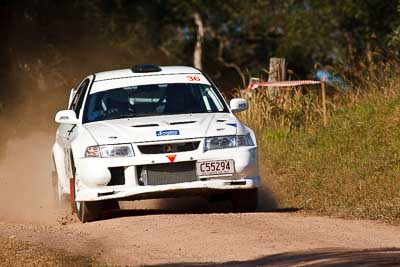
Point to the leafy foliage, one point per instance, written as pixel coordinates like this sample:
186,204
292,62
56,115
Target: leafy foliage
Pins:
239,34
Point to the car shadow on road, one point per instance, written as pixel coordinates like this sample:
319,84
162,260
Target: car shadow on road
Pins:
332,257
192,205
218,203
197,205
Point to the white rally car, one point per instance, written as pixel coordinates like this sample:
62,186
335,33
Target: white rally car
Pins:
152,132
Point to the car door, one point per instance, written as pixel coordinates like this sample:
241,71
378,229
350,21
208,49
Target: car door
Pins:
71,131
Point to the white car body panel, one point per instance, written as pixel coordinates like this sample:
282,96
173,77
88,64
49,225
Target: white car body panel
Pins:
143,80
73,140
132,130
118,74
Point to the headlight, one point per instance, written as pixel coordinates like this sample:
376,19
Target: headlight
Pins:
92,152
220,142
110,151
229,141
244,140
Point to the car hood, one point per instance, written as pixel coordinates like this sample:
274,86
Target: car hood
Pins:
159,128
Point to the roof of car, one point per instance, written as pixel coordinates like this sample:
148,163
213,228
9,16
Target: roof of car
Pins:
125,73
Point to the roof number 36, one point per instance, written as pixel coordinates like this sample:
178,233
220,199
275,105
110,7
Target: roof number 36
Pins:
193,78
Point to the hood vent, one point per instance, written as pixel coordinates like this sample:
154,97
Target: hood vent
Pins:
181,122
145,125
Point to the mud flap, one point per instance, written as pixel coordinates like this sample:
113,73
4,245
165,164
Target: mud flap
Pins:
72,194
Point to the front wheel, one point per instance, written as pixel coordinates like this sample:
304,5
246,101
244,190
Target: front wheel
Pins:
88,211
245,200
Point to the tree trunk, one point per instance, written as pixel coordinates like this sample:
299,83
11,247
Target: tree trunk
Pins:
221,59
277,72
198,49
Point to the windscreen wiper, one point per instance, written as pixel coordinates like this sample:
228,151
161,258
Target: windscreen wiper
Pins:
121,116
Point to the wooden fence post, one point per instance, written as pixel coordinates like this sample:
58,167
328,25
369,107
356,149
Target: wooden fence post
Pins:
323,93
277,72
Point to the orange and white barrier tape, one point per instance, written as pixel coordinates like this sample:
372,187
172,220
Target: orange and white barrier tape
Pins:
254,85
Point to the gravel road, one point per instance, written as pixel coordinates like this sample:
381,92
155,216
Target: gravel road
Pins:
159,238
33,232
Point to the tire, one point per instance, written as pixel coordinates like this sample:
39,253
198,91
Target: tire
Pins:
245,200
88,211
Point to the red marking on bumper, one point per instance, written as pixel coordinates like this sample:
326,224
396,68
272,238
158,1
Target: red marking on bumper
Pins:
171,158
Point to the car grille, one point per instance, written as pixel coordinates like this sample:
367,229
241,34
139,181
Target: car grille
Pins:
170,173
169,148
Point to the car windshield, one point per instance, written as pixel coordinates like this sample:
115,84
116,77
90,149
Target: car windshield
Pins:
153,100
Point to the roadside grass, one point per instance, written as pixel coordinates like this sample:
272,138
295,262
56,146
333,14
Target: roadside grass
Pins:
350,168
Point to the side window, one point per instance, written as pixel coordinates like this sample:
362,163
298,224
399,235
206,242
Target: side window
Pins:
211,100
77,102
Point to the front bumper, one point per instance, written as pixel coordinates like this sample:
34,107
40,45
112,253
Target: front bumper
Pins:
170,190
246,175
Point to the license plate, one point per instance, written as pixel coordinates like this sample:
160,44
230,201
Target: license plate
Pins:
215,167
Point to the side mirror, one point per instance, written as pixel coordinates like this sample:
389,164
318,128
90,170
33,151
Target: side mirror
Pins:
66,117
238,104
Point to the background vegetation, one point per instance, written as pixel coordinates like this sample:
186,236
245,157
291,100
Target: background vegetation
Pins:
52,44
350,167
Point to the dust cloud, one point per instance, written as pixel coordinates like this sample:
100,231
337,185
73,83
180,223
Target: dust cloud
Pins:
25,180
27,131
35,85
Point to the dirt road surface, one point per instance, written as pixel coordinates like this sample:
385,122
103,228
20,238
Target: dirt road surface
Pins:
176,233
159,238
